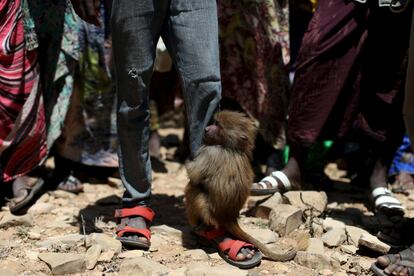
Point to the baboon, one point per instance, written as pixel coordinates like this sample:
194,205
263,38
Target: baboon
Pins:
220,176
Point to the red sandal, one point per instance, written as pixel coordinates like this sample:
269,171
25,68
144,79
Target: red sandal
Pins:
228,249
138,211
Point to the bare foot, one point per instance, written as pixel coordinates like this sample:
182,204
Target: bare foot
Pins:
134,222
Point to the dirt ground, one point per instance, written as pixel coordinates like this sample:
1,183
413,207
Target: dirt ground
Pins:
58,214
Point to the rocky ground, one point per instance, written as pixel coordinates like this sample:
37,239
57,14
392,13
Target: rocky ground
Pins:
74,234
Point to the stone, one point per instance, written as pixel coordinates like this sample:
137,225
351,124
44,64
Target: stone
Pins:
34,235
196,269
354,233
284,219
63,194
317,229
182,271
10,268
196,254
341,258
374,243
315,246
9,220
43,198
64,263
106,256
141,266
41,208
265,236
263,209
167,231
349,249
305,200
316,261
329,224
92,256
70,239
334,237
106,242
130,254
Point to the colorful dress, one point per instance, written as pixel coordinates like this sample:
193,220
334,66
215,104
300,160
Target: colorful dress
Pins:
22,117
254,49
89,134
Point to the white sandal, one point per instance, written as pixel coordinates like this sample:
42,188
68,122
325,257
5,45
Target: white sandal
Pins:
385,202
276,186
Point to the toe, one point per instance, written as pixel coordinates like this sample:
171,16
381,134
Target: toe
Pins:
383,261
390,269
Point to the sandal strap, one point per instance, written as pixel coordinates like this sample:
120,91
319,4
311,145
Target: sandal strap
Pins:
284,179
381,191
213,234
408,264
233,247
128,229
142,211
273,180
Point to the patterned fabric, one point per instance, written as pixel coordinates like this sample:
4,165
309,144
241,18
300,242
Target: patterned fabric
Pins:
89,135
56,28
254,48
22,128
403,159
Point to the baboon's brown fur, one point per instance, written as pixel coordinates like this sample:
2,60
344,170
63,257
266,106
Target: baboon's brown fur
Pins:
220,177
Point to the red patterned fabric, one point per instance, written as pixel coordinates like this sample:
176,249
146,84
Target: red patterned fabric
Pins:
22,127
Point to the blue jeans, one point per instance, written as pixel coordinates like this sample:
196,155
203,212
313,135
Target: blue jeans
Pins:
189,29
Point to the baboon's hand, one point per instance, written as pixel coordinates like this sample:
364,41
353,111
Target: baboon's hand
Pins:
87,10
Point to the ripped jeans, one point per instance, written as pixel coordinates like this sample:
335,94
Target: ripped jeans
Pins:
189,29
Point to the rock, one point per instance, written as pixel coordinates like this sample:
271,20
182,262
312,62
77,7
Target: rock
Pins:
349,249
43,198
106,242
130,254
92,256
64,263
32,255
63,194
157,242
315,246
265,236
326,272
196,269
10,268
264,208
317,228
334,237
341,258
141,266
167,231
106,256
34,235
315,261
196,254
354,233
182,271
9,220
306,200
374,243
281,268
329,224
215,256
41,208
285,218
71,239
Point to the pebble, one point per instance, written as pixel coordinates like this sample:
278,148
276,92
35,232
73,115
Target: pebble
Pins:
284,218
64,263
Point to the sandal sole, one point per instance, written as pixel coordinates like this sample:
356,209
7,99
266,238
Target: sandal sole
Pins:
33,191
137,244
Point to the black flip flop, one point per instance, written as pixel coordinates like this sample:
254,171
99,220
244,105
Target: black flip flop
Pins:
32,192
406,259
